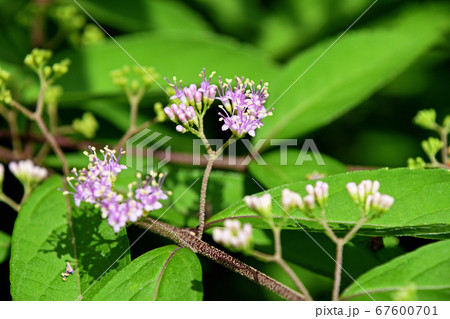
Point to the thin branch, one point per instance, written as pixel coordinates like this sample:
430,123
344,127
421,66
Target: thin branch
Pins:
7,200
202,207
338,270
288,270
187,239
277,258
53,143
22,109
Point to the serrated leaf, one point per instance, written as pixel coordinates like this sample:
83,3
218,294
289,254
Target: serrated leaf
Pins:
283,168
5,244
165,273
358,65
42,243
421,208
424,270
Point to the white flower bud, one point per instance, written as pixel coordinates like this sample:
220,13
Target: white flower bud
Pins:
309,201
309,189
353,191
375,187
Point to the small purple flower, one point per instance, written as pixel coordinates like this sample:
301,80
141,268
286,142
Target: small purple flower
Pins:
179,91
94,185
243,108
69,269
206,88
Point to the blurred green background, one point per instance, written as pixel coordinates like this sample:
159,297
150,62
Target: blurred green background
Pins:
365,90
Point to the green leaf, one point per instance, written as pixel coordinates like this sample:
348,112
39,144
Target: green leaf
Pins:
5,243
421,208
145,15
283,168
90,69
357,66
165,273
42,243
425,269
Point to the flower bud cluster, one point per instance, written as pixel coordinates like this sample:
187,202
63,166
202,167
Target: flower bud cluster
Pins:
233,235
38,59
201,98
416,163
366,196
426,119
431,147
185,116
261,205
27,173
243,106
87,125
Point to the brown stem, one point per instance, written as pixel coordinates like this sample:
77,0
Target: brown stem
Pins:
186,239
338,270
52,141
14,129
22,109
288,270
354,230
277,258
202,207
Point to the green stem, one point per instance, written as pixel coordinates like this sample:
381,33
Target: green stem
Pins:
4,198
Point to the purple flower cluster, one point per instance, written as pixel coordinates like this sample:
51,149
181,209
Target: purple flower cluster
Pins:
95,185
243,106
190,101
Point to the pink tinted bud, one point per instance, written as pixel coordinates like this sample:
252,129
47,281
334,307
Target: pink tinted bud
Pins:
182,118
198,97
386,202
211,93
309,189
190,114
180,129
193,87
309,201
189,94
169,113
175,108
